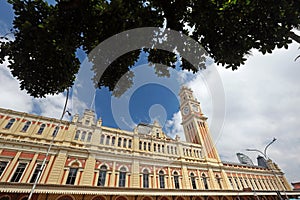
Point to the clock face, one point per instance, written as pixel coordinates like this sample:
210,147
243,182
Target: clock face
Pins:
195,108
186,110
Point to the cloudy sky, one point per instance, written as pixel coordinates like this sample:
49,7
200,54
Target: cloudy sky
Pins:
261,102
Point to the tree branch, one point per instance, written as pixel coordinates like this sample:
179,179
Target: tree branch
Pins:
294,36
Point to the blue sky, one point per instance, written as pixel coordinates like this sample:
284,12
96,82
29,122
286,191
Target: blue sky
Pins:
261,102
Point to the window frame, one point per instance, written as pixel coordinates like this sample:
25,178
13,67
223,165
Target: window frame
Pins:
17,175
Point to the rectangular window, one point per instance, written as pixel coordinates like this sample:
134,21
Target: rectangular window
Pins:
3,165
129,144
72,176
35,173
18,173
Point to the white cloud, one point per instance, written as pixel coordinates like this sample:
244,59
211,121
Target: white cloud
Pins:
262,102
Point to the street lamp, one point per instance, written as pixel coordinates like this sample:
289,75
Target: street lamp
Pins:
50,146
264,153
265,150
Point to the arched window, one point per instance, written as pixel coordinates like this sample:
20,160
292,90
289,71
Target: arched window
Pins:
41,129
161,179
89,137
83,136
72,175
122,177
129,144
113,140
162,148
145,146
149,146
219,181
145,178
102,175
65,198
10,123
26,126
5,197
193,180
107,140
158,147
102,139
119,142
55,131
176,180
154,147
140,145
204,179
77,135
124,142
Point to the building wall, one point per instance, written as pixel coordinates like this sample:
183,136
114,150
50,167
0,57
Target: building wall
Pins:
85,146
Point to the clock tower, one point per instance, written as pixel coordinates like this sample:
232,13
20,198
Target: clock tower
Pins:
195,124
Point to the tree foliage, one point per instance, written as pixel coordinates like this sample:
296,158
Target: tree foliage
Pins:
46,37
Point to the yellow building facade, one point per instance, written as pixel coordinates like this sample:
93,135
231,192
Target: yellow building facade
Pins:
89,161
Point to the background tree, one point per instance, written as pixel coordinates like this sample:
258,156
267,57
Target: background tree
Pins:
46,37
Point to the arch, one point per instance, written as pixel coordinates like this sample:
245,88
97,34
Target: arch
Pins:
5,197
123,168
146,198
121,198
24,197
75,163
164,198
65,197
99,198
179,198
10,123
198,198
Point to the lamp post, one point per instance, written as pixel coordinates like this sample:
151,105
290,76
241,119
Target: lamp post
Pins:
264,153
49,148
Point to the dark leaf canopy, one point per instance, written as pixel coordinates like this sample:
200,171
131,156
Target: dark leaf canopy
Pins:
46,37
